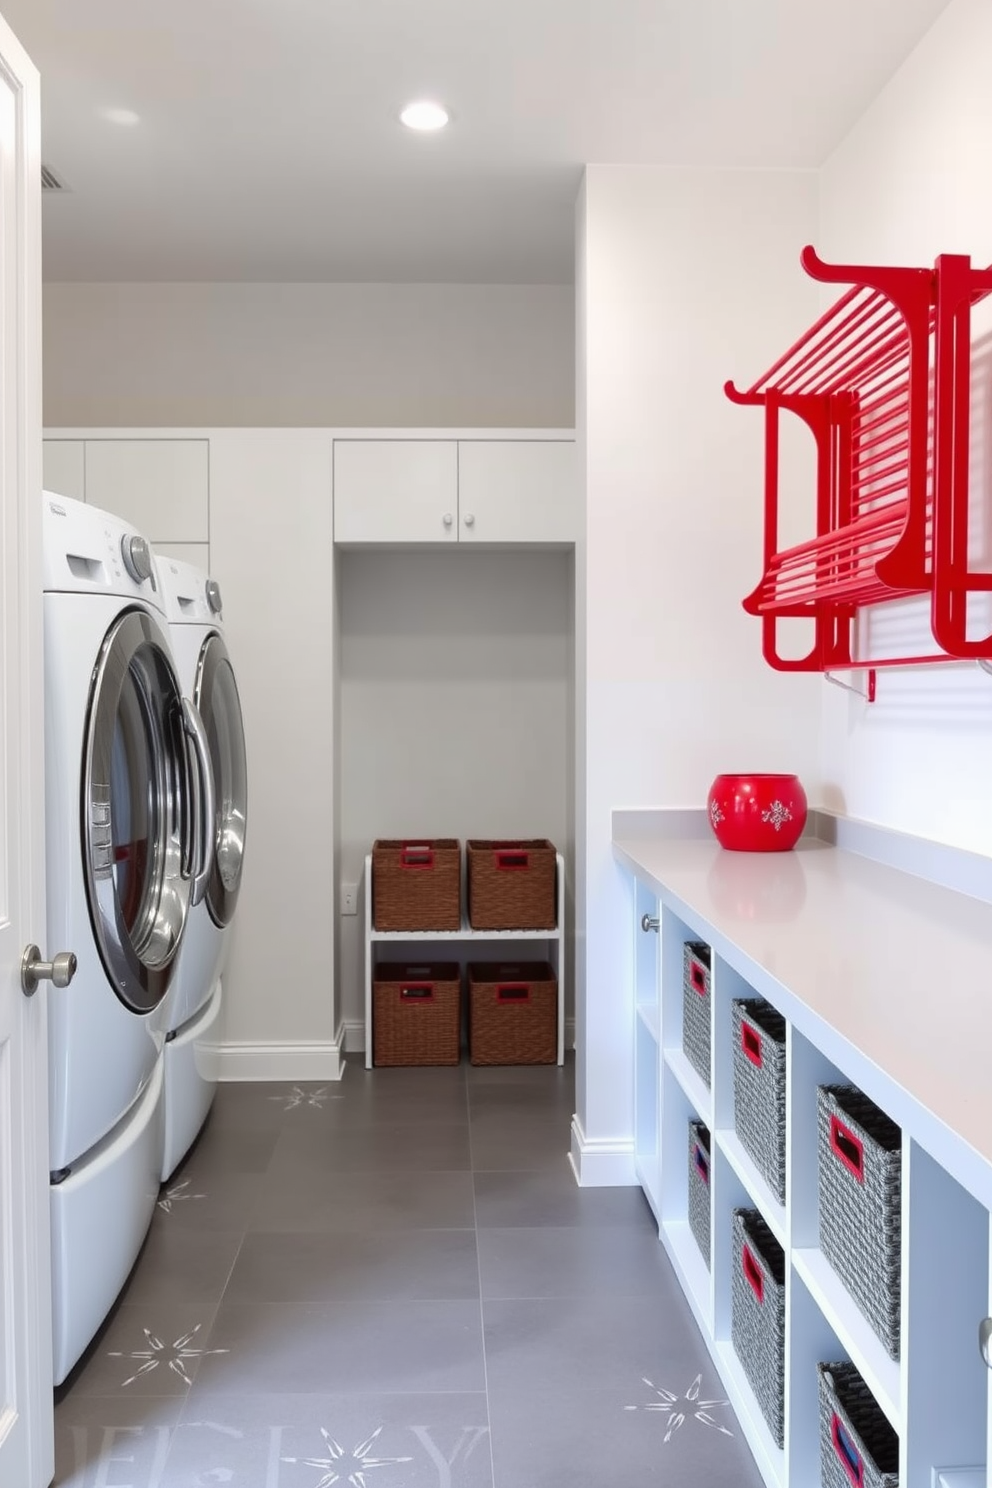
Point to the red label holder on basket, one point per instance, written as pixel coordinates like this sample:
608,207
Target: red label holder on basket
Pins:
416,855
417,992
701,1162
697,978
513,992
511,859
850,1458
848,1148
751,1044
752,1274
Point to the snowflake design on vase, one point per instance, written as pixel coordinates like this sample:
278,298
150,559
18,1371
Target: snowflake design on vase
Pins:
777,814
356,1462
175,1195
679,1408
716,815
176,1355
300,1097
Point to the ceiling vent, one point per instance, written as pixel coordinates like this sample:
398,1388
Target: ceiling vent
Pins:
50,181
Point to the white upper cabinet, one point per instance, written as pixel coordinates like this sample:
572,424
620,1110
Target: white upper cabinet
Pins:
64,467
517,491
446,490
395,490
161,486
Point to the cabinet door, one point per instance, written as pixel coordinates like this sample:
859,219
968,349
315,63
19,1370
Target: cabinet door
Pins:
519,491
161,486
395,490
63,467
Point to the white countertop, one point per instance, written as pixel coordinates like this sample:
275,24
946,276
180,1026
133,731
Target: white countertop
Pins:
891,976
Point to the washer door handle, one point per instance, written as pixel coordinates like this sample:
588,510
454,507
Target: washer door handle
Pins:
59,972
205,800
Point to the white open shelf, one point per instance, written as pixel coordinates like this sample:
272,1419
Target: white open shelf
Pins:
651,1019
756,1184
552,941
937,1396
879,1372
694,1089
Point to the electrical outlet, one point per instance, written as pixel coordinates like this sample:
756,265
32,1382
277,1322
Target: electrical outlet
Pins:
349,899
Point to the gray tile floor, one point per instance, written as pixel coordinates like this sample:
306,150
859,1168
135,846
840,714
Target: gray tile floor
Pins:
394,1282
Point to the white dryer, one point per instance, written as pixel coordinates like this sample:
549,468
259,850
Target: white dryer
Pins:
129,841
193,608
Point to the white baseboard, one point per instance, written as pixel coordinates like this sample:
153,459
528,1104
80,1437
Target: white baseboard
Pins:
289,1061
354,1035
601,1162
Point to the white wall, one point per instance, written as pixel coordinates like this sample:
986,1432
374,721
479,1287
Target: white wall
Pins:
454,705
684,279
911,181
235,355
270,545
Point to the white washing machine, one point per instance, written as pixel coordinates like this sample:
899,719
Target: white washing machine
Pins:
193,608
129,844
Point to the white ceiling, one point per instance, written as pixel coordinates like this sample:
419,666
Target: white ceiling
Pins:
267,146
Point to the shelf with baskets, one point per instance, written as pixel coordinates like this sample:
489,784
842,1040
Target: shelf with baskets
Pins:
466,945
866,1369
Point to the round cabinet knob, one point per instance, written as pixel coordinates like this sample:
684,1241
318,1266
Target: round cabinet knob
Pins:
137,557
469,519
447,519
649,922
985,1340
213,596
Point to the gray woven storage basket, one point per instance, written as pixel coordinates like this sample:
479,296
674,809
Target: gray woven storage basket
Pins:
696,1006
699,1187
757,1315
857,1444
759,1088
860,1182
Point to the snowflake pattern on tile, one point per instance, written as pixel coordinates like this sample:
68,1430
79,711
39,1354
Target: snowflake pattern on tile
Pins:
716,815
777,813
177,1355
680,1408
176,1195
356,1462
299,1097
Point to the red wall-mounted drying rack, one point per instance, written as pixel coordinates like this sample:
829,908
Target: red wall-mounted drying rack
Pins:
882,381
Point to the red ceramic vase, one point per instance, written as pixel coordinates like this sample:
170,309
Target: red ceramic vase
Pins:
757,813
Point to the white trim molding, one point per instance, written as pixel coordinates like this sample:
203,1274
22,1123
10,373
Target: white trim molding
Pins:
601,1162
289,1061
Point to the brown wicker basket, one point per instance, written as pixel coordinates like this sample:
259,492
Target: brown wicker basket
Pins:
416,885
512,1013
511,885
416,1014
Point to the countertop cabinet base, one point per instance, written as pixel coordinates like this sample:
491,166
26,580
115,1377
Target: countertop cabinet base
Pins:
937,1395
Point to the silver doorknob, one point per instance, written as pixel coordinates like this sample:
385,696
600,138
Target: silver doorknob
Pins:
649,922
59,972
985,1339
469,520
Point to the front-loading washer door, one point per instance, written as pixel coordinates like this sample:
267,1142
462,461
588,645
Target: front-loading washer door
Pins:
215,695
138,811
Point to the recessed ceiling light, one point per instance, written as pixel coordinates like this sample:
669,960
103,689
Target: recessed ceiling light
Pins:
424,115
123,116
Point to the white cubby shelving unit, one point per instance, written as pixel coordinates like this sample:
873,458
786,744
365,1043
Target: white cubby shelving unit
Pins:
466,945
876,974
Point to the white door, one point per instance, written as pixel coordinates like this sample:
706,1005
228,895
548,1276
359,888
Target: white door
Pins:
518,491
26,1431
